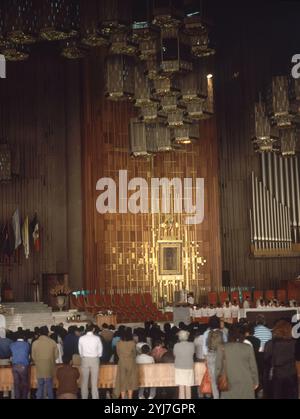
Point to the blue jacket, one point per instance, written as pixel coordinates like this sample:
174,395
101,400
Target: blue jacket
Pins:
20,353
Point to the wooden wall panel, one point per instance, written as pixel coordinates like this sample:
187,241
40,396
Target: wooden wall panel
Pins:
253,50
33,121
120,249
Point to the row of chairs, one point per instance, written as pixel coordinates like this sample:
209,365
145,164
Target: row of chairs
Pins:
129,308
214,297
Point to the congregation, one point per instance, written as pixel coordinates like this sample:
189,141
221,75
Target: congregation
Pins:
259,362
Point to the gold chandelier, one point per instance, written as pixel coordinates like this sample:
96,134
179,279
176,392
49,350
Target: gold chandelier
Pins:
277,118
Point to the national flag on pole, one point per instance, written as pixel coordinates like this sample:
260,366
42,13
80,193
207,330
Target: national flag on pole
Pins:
35,231
17,228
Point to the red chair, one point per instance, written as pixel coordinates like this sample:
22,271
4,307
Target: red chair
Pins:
213,298
257,295
147,297
137,300
246,294
269,295
234,296
281,296
223,297
107,300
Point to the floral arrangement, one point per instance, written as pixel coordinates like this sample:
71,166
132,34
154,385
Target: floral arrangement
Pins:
60,291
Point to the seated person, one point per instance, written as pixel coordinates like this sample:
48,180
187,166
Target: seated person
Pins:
145,358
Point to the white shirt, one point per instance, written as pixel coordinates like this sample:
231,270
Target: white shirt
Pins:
191,300
198,313
211,312
145,359
219,312
246,305
227,312
235,311
205,312
90,346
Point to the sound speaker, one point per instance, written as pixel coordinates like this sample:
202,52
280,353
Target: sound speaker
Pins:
226,279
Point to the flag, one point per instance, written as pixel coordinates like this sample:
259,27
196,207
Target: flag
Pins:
17,228
35,232
25,237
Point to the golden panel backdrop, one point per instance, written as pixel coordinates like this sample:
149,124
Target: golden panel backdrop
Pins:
121,250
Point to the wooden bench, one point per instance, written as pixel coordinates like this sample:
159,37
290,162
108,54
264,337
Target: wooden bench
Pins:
151,375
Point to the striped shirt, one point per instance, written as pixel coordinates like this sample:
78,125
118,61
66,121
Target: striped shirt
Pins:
263,334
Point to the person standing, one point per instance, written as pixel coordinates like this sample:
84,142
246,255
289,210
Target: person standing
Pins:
212,339
67,377
90,351
246,303
280,363
44,354
184,365
239,362
127,374
20,351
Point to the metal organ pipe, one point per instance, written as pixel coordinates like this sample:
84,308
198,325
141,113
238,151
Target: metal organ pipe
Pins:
294,221
270,177
297,192
276,177
263,238
254,210
257,212
281,181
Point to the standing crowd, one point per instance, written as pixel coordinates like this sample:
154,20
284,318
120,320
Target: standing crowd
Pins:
253,360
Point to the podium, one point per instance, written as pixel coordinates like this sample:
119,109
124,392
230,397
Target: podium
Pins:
181,314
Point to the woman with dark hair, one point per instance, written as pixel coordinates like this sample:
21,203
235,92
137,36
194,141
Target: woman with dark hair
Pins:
127,374
280,363
238,361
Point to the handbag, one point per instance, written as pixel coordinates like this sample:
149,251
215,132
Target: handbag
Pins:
222,381
206,386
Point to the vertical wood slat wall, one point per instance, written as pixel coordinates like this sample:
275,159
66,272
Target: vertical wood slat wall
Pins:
253,50
119,249
32,120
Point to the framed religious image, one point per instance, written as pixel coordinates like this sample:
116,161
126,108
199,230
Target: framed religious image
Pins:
170,258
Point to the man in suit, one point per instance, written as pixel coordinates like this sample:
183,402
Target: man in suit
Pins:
44,354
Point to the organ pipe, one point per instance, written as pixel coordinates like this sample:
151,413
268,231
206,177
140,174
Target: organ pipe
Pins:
275,212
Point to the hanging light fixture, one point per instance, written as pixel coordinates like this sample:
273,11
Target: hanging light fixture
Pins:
115,16
20,22
166,86
288,141
151,113
72,51
278,104
58,19
167,12
162,137
90,24
122,44
264,139
294,98
119,77
11,53
138,138
197,27
186,134
143,86
175,50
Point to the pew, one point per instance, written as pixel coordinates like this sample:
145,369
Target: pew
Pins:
151,375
